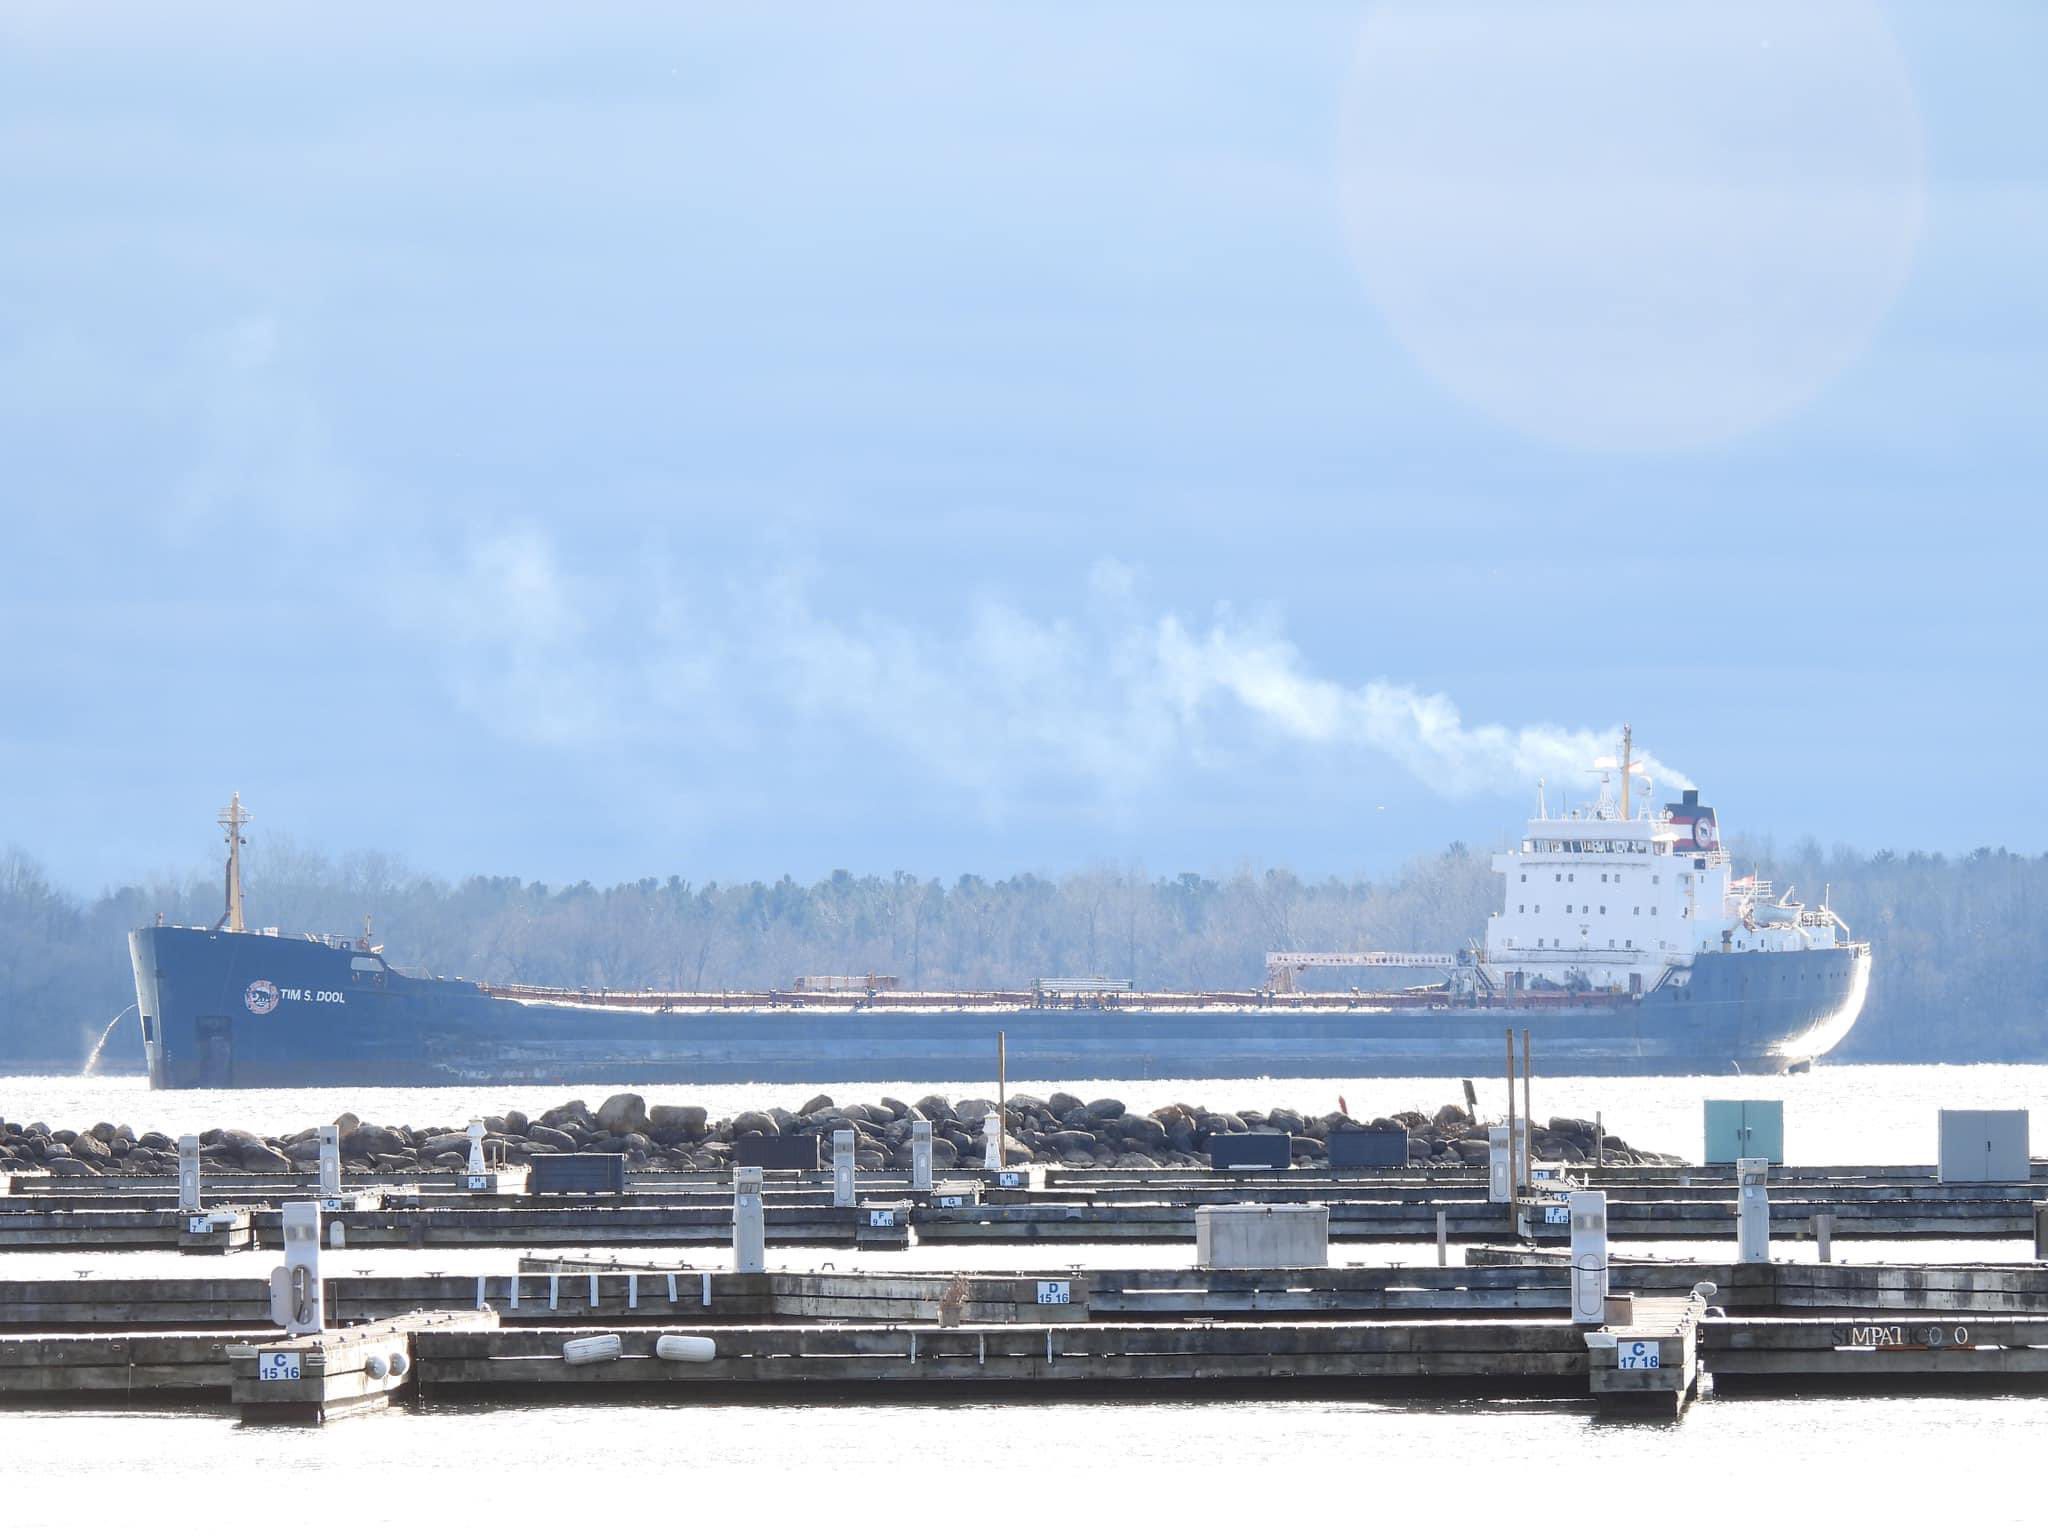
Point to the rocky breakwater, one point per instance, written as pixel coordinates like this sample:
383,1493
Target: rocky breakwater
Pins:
1063,1129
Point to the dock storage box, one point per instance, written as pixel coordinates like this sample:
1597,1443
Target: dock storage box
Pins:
1745,1128
578,1173
1255,1149
1368,1149
1261,1236
1984,1146
797,1154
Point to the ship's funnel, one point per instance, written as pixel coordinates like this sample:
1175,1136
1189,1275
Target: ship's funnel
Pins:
1695,824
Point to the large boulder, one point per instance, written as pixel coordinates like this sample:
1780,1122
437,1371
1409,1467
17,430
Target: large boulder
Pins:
816,1103
373,1141
1141,1128
1104,1109
621,1114
751,1122
671,1121
90,1145
1063,1105
548,1139
262,1159
70,1168
562,1116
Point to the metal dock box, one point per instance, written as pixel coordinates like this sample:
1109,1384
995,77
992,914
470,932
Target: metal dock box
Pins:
1984,1146
1745,1128
1261,1236
1253,1149
1368,1149
577,1173
790,1154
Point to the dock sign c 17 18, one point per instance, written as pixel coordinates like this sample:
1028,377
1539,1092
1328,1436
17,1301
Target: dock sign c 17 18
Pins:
1639,1355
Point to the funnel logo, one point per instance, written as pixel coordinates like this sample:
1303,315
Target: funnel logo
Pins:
260,997
1703,834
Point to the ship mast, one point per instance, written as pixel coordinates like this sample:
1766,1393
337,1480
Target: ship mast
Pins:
232,820
1628,766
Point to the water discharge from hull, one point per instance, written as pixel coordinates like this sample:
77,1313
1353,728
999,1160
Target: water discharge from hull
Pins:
92,1061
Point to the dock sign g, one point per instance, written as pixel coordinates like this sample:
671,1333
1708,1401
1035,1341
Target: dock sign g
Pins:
259,997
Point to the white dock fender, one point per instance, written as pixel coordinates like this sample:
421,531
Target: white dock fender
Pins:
591,1351
691,1348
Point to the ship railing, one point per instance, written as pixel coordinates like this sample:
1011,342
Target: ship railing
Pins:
993,1001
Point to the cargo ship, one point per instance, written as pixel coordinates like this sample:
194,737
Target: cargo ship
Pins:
1625,943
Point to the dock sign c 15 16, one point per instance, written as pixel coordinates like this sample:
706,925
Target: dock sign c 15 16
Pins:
278,1365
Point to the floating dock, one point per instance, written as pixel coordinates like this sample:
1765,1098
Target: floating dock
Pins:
596,1327
1057,1206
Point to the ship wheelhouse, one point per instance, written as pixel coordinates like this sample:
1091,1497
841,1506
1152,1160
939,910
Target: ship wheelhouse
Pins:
1607,898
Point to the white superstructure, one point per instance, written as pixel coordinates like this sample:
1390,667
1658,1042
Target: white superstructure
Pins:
1611,899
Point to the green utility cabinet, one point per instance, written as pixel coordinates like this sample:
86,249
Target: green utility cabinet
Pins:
1745,1128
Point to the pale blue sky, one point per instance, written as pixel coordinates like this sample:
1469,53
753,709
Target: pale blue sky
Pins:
738,440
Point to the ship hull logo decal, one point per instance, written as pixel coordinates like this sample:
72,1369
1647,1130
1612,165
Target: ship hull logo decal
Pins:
259,997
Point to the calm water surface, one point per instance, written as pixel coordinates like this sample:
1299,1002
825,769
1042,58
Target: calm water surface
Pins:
1825,1462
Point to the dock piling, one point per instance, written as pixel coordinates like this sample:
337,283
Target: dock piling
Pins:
843,1192
921,1156
749,1232
1589,1255
330,1162
1500,1164
1753,1209
298,1301
1443,1239
1824,1235
188,1174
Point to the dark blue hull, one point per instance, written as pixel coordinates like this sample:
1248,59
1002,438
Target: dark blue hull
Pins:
248,1010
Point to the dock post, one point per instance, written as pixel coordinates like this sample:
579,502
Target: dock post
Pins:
476,1146
842,1169
298,1302
1588,1209
749,1239
992,1136
1753,1210
1526,1168
1824,1235
330,1162
921,1156
1500,1164
188,1174
1443,1239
